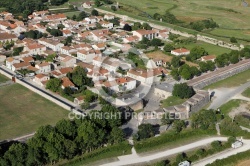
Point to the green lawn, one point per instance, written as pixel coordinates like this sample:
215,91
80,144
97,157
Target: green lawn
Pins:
171,101
23,111
233,81
210,48
3,78
229,106
246,93
70,14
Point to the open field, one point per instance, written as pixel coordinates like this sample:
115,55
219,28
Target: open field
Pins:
70,14
23,111
229,14
3,78
210,48
233,81
159,55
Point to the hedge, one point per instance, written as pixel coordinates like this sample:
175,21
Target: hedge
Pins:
169,138
103,153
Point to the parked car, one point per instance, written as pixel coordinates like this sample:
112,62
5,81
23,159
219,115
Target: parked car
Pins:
30,74
184,163
237,144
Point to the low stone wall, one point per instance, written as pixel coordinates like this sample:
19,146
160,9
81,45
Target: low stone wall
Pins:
215,77
217,42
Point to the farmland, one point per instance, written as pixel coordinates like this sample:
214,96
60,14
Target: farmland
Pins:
23,111
231,16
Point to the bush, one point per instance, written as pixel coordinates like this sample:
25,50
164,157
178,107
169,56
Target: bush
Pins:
183,91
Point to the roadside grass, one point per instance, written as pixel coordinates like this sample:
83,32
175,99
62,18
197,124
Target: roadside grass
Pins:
210,48
229,106
170,140
246,93
23,111
171,101
233,81
100,156
3,78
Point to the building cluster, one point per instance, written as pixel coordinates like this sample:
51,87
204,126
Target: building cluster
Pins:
91,47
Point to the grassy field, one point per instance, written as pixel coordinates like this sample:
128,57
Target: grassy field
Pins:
23,111
3,78
233,81
246,93
229,106
171,101
159,55
229,14
210,48
70,14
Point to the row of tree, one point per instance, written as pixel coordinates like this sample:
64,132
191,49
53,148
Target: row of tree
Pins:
67,139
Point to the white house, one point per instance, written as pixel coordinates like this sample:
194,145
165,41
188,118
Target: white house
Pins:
35,48
180,51
150,34
109,17
68,61
10,61
208,58
87,4
120,84
106,24
41,79
43,67
87,56
68,50
50,43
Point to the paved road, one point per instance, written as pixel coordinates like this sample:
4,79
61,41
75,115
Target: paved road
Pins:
135,159
223,154
223,95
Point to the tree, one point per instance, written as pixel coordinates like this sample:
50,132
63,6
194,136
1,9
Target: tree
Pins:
66,128
233,40
81,16
50,58
156,42
179,125
127,27
216,145
200,152
53,84
16,155
146,26
113,8
176,61
166,119
181,157
204,119
97,3
94,12
73,17
234,59
85,105
183,91
168,48
60,26
196,53
145,131
117,135
175,74
186,73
